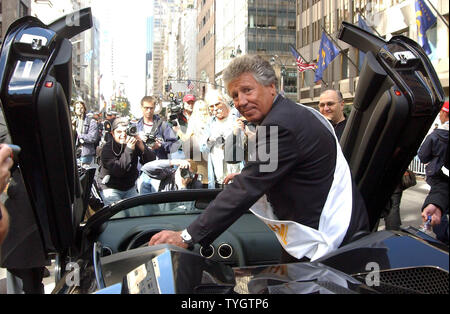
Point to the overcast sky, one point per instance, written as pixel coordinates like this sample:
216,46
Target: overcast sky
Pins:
124,24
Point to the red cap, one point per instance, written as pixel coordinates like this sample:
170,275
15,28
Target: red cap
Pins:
188,97
445,107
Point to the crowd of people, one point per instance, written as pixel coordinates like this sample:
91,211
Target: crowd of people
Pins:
206,133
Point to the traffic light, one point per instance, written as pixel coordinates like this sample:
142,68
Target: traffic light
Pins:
167,88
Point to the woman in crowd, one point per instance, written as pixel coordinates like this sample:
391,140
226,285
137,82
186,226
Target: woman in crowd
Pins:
119,165
219,130
194,135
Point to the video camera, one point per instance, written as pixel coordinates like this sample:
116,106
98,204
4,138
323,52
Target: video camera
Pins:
175,107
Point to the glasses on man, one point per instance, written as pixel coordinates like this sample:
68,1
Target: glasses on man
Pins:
328,104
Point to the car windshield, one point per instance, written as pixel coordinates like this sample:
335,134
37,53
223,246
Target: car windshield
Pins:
169,208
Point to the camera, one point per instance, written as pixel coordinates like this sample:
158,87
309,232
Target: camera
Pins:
186,173
107,126
175,107
151,139
132,130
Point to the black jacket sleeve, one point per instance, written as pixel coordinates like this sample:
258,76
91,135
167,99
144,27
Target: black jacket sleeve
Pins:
438,194
158,169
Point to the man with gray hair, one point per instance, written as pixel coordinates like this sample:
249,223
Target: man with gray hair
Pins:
331,106
308,200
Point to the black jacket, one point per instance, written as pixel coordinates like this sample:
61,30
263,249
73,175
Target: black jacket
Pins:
121,164
297,189
432,151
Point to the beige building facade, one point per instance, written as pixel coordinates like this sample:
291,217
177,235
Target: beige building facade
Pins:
387,17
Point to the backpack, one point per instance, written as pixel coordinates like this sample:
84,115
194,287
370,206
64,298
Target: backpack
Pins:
98,137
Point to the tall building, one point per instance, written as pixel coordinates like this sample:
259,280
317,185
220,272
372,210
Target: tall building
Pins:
11,10
385,17
206,45
187,48
257,27
149,57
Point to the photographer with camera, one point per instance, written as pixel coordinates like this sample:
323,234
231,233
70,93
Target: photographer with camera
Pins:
119,162
153,131
157,135
180,113
173,174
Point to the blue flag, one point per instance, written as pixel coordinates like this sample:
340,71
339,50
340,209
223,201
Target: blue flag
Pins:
424,19
327,53
362,24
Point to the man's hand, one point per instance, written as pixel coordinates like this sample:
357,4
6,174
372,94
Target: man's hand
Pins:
140,144
433,211
157,144
181,163
229,178
168,237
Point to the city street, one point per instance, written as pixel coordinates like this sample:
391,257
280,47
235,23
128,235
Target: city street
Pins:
410,206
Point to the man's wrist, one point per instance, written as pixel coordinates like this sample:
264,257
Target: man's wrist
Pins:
187,239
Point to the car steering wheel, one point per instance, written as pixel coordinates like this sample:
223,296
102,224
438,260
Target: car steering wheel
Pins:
141,239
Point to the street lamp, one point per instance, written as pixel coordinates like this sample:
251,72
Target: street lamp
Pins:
273,61
238,52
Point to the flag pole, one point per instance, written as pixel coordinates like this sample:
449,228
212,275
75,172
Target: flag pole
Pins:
364,18
308,62
344,54
440,15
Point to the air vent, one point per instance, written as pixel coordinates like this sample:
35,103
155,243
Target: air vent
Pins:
412,280
207,252
225,250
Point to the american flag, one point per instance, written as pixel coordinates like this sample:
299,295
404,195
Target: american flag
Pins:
190,85
301,64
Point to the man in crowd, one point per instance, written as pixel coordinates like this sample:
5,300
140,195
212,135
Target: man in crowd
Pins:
181,124
151,124
434,152
310,183
331,106
87,134
188,108
157,135
173,174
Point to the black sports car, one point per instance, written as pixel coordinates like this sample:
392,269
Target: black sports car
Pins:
397,100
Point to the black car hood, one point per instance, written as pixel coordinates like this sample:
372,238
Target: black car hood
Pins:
383,262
